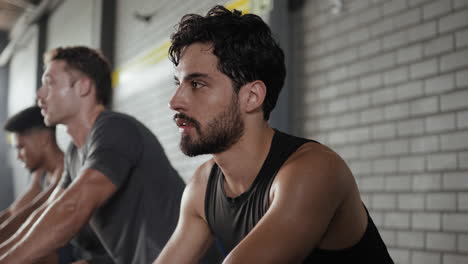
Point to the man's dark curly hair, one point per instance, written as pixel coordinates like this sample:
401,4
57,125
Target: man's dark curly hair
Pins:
27,120
243,45
91,63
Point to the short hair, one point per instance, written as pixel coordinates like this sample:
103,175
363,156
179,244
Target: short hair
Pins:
243,44
89,62
26,120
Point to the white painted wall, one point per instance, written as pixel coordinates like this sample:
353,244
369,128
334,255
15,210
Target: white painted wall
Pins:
22,94
22,74
75,23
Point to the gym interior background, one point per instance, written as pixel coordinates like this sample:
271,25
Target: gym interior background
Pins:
382,82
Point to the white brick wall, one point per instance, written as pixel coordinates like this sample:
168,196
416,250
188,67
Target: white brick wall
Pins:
463,243
402,121
455,259
419,257
410,239
426,221
441,241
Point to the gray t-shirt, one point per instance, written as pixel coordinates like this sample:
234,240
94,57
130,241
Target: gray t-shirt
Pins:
136,222
86,246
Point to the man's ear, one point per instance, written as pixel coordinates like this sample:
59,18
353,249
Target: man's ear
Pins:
253,95
42,137
85,86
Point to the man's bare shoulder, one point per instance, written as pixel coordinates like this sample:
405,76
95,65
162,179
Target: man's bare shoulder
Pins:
311,154
201,175
315,166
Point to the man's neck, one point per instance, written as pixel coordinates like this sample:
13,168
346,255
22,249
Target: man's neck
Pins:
80,126
54,162
242,162
53,159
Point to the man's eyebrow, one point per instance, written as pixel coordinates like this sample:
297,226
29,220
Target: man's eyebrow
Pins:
195,75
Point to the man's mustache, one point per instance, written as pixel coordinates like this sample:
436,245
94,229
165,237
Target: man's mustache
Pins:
188,119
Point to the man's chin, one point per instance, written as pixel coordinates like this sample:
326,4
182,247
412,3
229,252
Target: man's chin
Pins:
190,149
31,169
47,121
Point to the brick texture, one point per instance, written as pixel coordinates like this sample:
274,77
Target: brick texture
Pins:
405,116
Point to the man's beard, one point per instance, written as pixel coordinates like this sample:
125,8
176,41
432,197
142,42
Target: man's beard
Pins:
220,133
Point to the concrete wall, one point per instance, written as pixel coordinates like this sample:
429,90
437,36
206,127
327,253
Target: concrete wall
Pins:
385,84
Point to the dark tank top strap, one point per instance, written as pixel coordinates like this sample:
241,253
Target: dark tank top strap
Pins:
282,147
210,194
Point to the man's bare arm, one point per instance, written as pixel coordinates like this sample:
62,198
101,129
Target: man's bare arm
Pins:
192,236
24,199
63,218
4,215
14,222
24,229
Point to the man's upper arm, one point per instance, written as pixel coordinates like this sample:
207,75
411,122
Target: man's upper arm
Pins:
192,236
306,195
91,189
114,148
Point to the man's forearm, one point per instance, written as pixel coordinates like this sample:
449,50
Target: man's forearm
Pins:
13,224
4,215
56,226
23,200
6,245
50,259
15,221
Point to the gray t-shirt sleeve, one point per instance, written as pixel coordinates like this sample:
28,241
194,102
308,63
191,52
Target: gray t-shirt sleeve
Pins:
114,148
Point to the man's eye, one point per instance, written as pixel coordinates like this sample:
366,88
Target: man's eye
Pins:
196,84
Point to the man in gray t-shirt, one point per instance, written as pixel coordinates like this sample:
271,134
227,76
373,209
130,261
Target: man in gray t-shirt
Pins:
137,221
117,176
37,148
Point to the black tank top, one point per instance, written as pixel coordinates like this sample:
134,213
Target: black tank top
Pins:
231,219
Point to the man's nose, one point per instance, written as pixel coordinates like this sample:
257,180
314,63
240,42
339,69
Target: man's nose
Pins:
179,100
